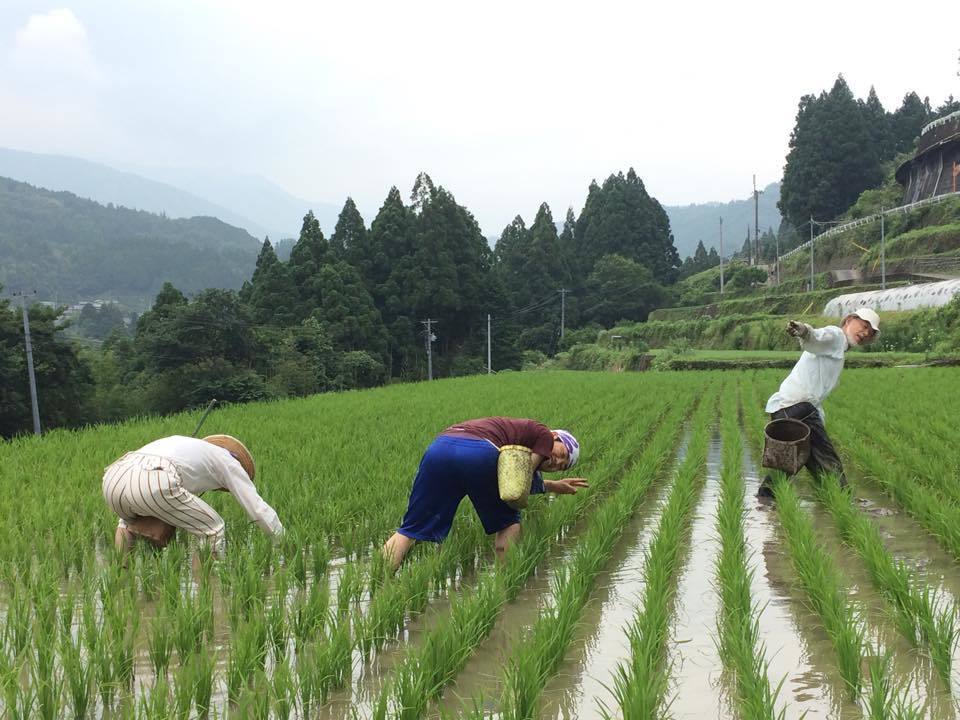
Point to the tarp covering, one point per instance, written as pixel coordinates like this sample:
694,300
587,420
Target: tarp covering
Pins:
910,297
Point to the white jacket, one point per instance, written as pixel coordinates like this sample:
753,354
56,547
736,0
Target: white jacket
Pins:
816,373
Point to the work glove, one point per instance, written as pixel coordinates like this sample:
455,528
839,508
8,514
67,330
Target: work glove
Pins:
798,329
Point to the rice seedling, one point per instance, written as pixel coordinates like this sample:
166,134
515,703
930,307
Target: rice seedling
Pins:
46,677
539,652
446,648
640,684
189,623
204,667
282,691
155,703
738,628
277,627
882,702
183,689
160,642
247,654
920,613
79,677
308,614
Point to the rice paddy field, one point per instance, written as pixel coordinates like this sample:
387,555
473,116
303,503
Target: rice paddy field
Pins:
664,590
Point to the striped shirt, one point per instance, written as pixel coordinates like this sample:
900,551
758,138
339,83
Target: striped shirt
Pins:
202,466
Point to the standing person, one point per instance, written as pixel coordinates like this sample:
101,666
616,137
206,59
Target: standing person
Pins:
154,489
462,461
815,375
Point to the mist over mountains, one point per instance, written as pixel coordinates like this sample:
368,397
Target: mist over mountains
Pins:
701,221
244,201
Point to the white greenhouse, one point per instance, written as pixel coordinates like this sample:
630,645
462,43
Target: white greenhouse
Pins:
910,297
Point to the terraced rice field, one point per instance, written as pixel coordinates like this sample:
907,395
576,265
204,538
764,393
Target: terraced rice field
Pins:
664,590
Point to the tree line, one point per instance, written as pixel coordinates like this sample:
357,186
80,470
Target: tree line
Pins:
346,311
841,146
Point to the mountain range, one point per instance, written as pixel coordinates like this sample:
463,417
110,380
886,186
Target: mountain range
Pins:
693,223
70,249
249,202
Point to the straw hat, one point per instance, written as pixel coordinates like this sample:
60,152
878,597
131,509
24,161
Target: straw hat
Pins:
235,448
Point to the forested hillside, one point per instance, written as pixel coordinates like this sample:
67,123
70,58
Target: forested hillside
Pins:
69,248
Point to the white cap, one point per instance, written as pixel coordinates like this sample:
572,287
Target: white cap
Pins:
869,316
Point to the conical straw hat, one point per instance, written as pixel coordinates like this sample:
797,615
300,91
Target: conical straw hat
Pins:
237,449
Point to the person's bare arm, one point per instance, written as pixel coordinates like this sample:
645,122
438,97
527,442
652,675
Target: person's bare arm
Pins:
567,486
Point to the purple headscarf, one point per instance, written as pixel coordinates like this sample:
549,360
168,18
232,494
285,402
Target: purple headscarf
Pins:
571,444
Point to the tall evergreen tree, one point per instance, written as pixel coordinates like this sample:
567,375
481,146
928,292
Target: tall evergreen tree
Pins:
908,121
545,262
879,124
620,218
309,254
347,313
270,293
424,191
349,239
832,157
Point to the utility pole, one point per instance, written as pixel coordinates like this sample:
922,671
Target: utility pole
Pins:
756,217
563,310
883,254
811,253
777,236
489,365
429,339
721,256
34,406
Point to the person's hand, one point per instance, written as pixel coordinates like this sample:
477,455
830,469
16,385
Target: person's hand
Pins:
567,486
798,329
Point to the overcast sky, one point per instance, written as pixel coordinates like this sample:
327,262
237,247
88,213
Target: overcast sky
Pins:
506,104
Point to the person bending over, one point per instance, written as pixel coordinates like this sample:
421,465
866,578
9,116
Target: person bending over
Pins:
462,462
155,490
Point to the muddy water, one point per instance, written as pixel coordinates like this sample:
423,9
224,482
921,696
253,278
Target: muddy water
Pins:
696,664
798,651
911,672
908,542
600,643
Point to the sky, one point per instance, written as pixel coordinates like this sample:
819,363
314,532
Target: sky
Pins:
506,104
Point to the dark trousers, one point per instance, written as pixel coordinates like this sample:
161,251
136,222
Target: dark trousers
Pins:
823,456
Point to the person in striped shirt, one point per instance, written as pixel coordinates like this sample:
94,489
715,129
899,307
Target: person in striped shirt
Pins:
156,489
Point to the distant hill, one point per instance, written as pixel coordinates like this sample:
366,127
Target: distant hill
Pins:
69,249
269,205
244,201
692,223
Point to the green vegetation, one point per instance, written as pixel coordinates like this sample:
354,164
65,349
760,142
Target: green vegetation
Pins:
738,624
640,684
80,250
